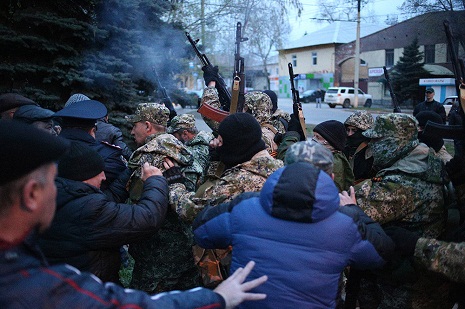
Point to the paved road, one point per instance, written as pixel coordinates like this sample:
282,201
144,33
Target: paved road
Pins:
312,114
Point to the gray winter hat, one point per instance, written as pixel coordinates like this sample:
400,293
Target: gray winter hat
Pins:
312,152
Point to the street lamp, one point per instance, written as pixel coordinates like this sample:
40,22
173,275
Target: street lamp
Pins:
357,56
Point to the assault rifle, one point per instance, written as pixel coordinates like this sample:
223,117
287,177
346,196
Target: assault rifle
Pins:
446,131
296,105
395,103
223,91
238,87
164,96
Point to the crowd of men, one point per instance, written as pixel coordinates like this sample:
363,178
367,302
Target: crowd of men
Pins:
367,213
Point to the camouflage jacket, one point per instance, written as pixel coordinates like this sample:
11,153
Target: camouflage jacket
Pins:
410,193
343,174
280,120
157,147
163,261
199,147
447,258
244,177
210,97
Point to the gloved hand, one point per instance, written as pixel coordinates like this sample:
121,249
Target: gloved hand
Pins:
294,125
174,175
213,153
456,170
210,73
404,239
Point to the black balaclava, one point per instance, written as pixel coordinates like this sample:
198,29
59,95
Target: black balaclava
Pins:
242,139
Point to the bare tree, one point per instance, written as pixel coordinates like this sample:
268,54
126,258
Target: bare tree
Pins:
417,7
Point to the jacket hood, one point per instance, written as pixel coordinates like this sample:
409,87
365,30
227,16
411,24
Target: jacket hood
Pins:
421,163
300,192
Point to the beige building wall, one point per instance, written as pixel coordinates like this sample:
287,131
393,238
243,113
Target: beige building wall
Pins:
304,57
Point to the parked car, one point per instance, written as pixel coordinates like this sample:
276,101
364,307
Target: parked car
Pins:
449,102
345,96
309,96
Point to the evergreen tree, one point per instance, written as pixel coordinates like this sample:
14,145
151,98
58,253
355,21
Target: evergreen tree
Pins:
103,48
406,74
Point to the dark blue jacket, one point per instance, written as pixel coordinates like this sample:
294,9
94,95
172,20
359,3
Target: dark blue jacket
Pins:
297,234
26,281
112,155
88,227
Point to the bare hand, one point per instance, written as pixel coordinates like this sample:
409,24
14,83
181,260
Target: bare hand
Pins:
216,142
234,290
167,163
346,198
148,171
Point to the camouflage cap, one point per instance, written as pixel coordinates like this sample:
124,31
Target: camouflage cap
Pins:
398,125
360,119
312,152
260,105
184,121
152,112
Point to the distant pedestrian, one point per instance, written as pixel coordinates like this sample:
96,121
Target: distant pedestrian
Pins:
431,105
318,97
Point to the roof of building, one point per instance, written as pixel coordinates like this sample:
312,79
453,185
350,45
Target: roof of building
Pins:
336,32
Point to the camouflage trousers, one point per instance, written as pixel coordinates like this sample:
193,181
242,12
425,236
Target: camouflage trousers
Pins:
164,262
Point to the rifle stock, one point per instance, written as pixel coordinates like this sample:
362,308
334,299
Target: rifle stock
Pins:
296,105
395,103
223,91
238,87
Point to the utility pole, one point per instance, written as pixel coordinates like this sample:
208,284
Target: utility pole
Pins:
357,56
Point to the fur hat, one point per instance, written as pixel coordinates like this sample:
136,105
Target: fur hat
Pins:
334,132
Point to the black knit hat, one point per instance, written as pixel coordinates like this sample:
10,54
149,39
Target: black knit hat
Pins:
242,139
424,116
12,100
81,163
334,132
274,99
25,148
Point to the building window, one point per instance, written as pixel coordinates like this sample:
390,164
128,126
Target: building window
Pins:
430,54
389,57
314,58
294,60
277,71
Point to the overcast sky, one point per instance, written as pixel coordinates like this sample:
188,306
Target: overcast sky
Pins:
379,8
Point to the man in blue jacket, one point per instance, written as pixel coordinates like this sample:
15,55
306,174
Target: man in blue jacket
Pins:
297,230
27,206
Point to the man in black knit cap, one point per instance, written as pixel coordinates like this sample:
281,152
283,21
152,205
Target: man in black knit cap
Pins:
241,149
332,134
82,210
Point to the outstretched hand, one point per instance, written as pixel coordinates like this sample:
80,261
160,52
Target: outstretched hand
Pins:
234,290
347,198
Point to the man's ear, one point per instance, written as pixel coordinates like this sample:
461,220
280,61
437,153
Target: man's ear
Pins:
332,176
148,126
30,197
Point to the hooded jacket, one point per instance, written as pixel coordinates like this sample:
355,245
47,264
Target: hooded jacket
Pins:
298,235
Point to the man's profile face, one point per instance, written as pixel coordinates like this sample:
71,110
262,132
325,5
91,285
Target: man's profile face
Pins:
139,132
